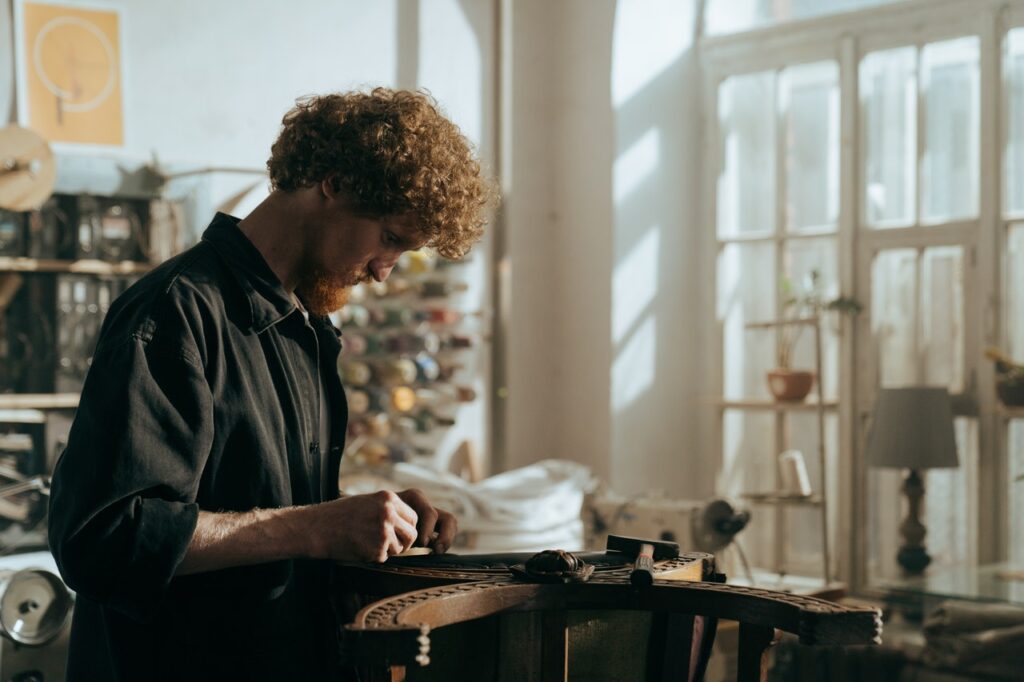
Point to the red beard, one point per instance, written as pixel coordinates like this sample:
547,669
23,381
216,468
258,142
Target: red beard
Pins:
323,292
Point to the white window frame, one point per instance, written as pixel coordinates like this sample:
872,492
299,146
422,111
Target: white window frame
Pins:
846,39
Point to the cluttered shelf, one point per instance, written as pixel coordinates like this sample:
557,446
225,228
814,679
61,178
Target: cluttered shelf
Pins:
777,405
82,266
38,401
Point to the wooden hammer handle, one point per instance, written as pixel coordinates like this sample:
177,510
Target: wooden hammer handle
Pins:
643,568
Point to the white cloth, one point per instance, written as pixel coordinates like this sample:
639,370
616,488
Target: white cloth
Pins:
532,508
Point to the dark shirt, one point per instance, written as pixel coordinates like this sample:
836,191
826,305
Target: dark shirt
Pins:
203,394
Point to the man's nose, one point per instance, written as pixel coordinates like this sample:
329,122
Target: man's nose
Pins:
380,270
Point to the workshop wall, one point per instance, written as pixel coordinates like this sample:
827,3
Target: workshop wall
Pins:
603,231
601,150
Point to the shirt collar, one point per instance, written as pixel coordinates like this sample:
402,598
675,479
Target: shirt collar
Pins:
269,303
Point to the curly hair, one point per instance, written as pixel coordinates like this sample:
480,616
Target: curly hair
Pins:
390,152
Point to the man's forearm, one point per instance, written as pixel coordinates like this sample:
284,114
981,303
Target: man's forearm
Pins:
224,540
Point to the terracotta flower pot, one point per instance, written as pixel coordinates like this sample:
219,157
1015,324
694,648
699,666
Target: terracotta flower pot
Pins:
790,385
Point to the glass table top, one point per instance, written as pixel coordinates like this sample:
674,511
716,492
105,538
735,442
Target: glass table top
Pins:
994,582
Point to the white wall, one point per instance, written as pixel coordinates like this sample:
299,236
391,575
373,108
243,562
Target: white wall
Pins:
603,232
208,82
602,208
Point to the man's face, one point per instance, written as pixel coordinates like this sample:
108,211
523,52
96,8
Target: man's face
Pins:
345,249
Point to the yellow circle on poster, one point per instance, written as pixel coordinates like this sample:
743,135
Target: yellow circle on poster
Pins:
75,61
70,60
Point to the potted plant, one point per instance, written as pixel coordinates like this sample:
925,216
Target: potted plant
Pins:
1009,378
784,382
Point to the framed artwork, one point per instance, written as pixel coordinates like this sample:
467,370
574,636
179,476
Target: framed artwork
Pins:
69,72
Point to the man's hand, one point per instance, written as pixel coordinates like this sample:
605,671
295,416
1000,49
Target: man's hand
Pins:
436,528
356,528
362,527
379,525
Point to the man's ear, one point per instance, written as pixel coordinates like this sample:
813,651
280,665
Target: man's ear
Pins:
327,186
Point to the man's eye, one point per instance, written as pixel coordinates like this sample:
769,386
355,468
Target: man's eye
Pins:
390,238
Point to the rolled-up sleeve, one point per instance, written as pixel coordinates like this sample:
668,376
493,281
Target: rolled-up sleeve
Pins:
122,507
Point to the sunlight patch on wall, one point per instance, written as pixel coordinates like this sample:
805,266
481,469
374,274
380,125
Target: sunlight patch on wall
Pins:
450,64
633,368
634,284
649,35
635,165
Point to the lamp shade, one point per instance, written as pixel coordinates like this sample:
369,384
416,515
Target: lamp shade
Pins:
912,429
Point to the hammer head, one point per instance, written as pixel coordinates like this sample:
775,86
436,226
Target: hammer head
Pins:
631,546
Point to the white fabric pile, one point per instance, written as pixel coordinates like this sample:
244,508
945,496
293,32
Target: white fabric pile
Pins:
530,509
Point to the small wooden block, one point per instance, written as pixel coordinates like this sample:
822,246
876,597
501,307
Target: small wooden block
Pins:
416,551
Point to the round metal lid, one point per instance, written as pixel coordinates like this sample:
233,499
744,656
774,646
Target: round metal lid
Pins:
34,606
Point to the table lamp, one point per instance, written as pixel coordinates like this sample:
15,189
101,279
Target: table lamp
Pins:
912,429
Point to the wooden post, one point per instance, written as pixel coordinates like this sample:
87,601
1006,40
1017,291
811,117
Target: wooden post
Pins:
554,647
752,664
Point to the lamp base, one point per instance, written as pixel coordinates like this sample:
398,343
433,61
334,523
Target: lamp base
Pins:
912,557
913,560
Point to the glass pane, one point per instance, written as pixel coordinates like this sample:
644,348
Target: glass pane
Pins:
746,185
746,278
748,465
1014,292
942,317
893,315
810,110
918,317
1013,66
803,532
732,16
885,511
888,101
949,168
804,258
1016,483
948,516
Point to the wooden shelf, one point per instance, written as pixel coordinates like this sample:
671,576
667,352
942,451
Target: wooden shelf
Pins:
770,324
783,498
84,267
1008,412
777,405
38,401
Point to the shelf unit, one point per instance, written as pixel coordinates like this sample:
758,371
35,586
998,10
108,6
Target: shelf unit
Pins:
779,406
81,267
781,500
1010,411
38,401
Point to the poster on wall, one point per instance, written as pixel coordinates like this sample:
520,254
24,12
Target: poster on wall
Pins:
69,72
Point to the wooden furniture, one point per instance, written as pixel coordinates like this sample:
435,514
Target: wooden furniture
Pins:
469,617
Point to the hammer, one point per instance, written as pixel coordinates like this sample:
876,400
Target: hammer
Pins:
645,553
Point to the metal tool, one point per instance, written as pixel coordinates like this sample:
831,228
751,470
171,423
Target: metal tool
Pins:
645,553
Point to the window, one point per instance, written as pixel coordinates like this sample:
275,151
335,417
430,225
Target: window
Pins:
854,148
778,191
731,16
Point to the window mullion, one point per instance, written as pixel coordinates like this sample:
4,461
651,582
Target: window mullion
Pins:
919,136
782,549
850,511
991,520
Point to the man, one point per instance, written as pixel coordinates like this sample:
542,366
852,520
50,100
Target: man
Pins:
196,506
